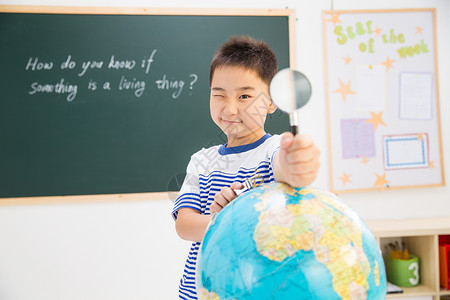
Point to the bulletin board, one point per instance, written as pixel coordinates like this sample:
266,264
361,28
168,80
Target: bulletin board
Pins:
382,92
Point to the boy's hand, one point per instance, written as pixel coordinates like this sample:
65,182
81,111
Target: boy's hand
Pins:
297,163
225,196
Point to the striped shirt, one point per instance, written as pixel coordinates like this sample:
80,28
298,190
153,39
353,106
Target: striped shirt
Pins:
207,172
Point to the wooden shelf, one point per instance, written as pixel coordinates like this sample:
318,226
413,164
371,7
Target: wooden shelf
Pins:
422,238
417,291
409,227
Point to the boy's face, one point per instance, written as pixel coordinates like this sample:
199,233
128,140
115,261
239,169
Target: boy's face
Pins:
239,104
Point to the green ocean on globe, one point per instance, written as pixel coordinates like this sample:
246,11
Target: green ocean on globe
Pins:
279,242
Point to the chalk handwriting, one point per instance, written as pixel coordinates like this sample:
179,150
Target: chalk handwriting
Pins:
34,64
165,84
90,65
138,86
148,62
69,63
92,85
121,64
130,81
60,87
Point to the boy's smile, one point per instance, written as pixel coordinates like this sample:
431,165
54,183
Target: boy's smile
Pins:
239,104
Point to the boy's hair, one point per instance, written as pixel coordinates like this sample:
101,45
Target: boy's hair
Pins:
245,51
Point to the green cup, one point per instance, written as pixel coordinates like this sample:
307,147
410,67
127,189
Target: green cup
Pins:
403,272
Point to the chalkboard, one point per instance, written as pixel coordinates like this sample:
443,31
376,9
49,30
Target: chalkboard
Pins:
382,99
109,102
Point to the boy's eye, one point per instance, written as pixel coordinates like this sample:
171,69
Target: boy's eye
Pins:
244,97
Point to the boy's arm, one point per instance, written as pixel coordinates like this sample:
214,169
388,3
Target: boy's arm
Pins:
191,224
297,162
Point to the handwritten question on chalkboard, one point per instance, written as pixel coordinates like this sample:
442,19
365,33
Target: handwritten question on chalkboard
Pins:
82,68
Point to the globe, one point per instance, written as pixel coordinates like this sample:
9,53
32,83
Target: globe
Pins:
279,242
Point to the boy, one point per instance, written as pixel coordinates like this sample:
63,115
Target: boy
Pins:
241,72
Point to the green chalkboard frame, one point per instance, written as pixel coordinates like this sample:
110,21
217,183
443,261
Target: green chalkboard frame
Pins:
131,196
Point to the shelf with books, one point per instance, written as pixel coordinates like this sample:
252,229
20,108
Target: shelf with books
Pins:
421,237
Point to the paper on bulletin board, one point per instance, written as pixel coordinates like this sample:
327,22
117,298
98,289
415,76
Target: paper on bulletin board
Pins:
382,99
416,95
371,87
405,151
358,139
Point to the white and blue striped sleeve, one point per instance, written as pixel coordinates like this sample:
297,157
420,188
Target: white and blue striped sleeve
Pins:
189,195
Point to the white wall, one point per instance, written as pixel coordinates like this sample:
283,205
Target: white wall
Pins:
130,250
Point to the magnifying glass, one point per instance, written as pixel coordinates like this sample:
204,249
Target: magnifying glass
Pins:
290,90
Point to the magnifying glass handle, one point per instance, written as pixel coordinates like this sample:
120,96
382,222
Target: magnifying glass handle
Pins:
294,129
293,120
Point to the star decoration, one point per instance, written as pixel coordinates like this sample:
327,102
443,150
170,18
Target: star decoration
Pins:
347,59
345,178
388,63
420,137
419,30
431,164
334,19
381,181
365,160
344,89
377,31
376,120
